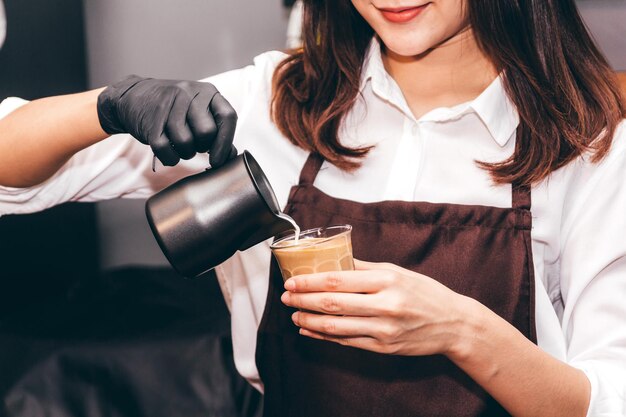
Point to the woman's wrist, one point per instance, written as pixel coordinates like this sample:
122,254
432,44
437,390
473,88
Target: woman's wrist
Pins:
89,127
472,326
506,364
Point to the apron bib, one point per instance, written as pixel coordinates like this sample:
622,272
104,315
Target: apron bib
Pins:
481,252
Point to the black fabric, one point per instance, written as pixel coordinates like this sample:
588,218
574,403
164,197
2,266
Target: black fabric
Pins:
45,255
131,343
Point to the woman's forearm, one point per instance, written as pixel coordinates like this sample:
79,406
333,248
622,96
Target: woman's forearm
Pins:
38,138
518,374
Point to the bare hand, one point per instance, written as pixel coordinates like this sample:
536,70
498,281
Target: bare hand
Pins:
379,307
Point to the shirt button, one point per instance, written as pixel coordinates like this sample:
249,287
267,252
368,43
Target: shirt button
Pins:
415,129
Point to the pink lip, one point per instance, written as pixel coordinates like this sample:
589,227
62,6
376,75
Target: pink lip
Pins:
402,14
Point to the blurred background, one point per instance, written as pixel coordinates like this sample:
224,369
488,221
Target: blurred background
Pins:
60,46
72,255
92,319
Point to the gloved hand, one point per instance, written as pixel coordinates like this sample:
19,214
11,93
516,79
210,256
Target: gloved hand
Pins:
176,118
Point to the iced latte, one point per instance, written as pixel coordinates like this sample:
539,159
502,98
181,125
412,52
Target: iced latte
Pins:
315,250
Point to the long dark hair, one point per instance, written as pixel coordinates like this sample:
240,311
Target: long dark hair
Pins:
565,92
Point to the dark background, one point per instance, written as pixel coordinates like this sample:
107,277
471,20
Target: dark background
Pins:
44,53
42,255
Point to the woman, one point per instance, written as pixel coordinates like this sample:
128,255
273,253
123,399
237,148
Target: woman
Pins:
477,149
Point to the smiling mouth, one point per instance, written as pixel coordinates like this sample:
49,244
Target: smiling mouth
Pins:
402,14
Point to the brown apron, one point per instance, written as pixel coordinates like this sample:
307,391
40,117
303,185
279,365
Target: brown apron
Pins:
482,252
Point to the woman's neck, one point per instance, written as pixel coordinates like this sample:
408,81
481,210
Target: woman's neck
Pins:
452,73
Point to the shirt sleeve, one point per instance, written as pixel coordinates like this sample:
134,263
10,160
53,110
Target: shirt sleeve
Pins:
120,166
593,278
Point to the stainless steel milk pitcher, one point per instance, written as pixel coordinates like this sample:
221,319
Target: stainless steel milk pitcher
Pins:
202,220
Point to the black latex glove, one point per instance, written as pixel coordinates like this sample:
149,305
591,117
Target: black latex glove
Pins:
176,118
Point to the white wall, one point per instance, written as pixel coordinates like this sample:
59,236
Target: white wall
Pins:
180,39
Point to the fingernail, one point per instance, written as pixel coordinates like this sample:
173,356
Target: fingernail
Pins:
290,285
285,298
296,317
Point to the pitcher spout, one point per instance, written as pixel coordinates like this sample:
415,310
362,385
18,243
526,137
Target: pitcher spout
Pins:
278,226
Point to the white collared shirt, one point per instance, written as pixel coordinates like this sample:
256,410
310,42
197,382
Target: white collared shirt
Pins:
579,213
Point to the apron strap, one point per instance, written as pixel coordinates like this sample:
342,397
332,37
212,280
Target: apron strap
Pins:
311,168
521,197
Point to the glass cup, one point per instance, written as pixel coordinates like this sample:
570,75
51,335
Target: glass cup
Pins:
317,250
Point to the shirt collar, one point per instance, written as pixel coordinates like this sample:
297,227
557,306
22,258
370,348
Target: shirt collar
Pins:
493,106
497,111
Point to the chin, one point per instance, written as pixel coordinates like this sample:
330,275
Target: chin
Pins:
406,48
